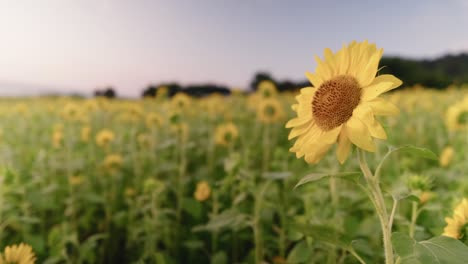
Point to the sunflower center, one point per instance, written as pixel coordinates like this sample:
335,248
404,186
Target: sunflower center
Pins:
335,100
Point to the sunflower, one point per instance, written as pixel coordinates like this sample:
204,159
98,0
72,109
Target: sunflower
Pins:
152,119
203,191
225,134
144,140
112,161
75,180
104,137
446,156
270,111
18,254
267,89
456,224
72,112
341,105
85,132
457,116
162,92
57,138
180,102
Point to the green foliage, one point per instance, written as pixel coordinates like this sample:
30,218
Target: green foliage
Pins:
440,249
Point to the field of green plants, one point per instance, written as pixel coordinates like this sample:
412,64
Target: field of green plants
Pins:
211,180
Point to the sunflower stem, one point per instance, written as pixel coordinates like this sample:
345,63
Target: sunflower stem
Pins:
414,217
379,204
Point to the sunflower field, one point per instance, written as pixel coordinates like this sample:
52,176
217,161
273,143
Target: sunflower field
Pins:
211,180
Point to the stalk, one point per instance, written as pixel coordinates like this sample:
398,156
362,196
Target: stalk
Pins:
377,199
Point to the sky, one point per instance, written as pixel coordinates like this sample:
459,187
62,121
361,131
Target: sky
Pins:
80,45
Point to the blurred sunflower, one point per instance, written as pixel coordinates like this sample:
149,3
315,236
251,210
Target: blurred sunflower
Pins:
456,224
85,133
153,119
225,134
203,191
144,140
270,111
446,156
75,180
162,92
57,138
104,138
267,89
18,254
341,105
71,112
113,161
457,116
180,102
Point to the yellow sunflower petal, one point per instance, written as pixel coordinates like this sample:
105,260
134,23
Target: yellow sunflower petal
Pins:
359,134
299,130
314,79
344,147
313,157
381,84
367,75
365,114
382,107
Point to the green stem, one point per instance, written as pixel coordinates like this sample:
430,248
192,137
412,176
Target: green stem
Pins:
257,224
414,217
214,234
355,254
379,204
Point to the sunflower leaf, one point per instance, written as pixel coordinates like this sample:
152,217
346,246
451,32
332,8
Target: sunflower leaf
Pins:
421,152
325,233
319,176
439,249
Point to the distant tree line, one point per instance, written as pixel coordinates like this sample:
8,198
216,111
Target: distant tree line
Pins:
437,73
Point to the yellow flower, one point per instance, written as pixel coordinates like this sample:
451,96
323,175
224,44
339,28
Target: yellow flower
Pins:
341,105
153,120
203,191
270,111
446,156
18,254
424,197
130,192
85,132
113,161
71,112
75,180
57,138
104,137
180,102
459,219
213,104
225,134
457,116
267,89
162,92
144,140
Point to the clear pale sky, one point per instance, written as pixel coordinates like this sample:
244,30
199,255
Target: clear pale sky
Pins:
83,44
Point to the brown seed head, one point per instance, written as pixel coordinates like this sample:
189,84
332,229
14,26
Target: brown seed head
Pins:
335,100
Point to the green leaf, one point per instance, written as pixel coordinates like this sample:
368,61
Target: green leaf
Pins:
319,176
219,258
437,250
325,233
300,253
420,152
227,219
